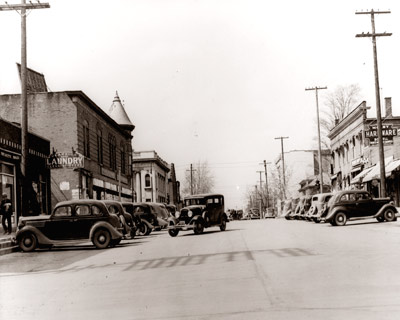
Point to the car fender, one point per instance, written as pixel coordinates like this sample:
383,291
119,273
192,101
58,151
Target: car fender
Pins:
225,216
147,223
41,238
102,224
383,209
197,218
172,221
331,214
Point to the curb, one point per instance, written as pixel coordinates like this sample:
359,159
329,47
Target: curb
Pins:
8,246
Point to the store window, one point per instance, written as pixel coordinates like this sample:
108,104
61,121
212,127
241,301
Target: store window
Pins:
7,184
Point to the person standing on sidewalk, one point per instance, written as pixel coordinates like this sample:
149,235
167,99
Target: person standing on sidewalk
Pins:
6,212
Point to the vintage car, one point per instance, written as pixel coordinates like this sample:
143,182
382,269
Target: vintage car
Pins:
70,220
199,212
128,228
318,207
358,204
142,215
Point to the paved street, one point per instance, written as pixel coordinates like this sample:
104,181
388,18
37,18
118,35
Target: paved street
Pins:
269,269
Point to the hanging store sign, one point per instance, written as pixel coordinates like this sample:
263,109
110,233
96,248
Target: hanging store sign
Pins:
65,160
388,132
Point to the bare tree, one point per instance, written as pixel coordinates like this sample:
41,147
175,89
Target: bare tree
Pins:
200,181
337,105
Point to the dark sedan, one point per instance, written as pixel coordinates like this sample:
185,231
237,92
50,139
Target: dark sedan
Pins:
358,204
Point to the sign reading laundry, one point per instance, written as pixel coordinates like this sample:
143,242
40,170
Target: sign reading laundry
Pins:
64,160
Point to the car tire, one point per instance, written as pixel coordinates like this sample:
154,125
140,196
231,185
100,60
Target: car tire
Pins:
115,242
222,227
173,232
28,242
340,219
332,223
198,227
101,238
380,219
389,215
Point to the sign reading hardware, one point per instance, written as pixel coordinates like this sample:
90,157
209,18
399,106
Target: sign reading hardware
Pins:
388,132
65,160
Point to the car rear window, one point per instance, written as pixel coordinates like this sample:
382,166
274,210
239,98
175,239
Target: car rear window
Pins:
82,210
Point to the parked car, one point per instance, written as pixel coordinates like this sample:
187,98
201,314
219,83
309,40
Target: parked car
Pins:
128,228
254,213
142,215
287,209
199,212
319,203
358,204
70,220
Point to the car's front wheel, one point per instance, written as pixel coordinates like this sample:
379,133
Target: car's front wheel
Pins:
173,232
101,239
198,227
222,227
340,219
28,242
389,215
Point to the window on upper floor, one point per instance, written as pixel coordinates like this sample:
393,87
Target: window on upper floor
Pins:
123,158
86,139
112,152
99,146
147,181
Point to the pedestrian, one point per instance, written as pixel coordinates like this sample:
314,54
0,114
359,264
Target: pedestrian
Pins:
6,212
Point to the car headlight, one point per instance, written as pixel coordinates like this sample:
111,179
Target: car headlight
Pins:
177,214
190,213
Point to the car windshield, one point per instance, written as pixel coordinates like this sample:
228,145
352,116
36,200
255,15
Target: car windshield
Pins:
195,201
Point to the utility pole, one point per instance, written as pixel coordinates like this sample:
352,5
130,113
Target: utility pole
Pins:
319,138
283,165
266,182
374,35
191,178
260,193
21,9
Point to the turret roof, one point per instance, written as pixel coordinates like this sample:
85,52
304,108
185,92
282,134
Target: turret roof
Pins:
118,114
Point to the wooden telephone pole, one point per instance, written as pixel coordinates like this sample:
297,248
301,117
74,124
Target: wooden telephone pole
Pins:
22,9
283,166
374,35
319,139
191,178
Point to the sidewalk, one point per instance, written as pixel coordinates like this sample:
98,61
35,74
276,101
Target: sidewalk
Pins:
6,243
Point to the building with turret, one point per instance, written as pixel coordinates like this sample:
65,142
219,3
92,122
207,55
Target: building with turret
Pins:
90,149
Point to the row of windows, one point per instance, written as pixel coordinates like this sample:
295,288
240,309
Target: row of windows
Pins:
112,148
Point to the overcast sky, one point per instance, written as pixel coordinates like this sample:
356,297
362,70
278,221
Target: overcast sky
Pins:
209,80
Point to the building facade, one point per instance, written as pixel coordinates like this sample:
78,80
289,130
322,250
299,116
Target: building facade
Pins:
37,176
302,171
154,179
355,154
90,151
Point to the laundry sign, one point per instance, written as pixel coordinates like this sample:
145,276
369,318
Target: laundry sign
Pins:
65,160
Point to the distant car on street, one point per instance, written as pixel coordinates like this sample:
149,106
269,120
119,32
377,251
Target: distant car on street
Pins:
358,204
70,220
318,207
199,212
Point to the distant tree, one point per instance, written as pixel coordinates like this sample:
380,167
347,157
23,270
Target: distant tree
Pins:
337,105
202,180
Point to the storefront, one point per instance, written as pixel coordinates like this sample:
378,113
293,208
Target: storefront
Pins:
37,175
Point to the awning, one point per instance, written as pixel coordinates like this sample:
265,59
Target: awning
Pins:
375,173
359,178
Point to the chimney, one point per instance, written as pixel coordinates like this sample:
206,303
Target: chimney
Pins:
388,107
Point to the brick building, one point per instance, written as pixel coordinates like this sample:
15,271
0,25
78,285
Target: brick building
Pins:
91,150
37,176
